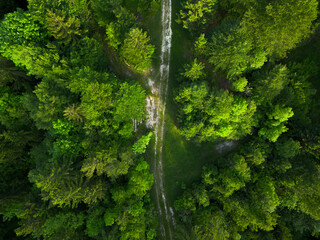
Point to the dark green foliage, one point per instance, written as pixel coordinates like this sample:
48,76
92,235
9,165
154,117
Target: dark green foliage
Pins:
268,84
95,222
232,52
266,188
66,130
71,162
11,6
63,226
88,52
280,25
210,224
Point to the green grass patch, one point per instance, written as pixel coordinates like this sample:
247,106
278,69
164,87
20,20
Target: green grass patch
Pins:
182,160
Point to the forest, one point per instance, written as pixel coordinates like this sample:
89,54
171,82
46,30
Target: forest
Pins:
76,154
72,164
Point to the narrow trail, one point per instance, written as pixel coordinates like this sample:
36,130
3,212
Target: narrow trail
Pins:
156,106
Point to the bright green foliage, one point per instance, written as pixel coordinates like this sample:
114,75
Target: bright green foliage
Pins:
31,219
192,96
19,28
116,31
202,197
113,35
96,103
209,175
201,46
267,188
240,84
106,104
77,9
73,113
140,146
140,180
234,187
37,61
66,140
97,164
199,196
137,50
84,76
232,52
274,126
194,71
65,188
280,25
216,115
196,12
69,124
129,213
55,183
131,103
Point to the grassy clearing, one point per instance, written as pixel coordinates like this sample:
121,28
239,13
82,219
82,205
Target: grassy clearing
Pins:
183,160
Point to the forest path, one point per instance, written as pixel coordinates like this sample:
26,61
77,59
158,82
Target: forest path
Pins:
160,89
